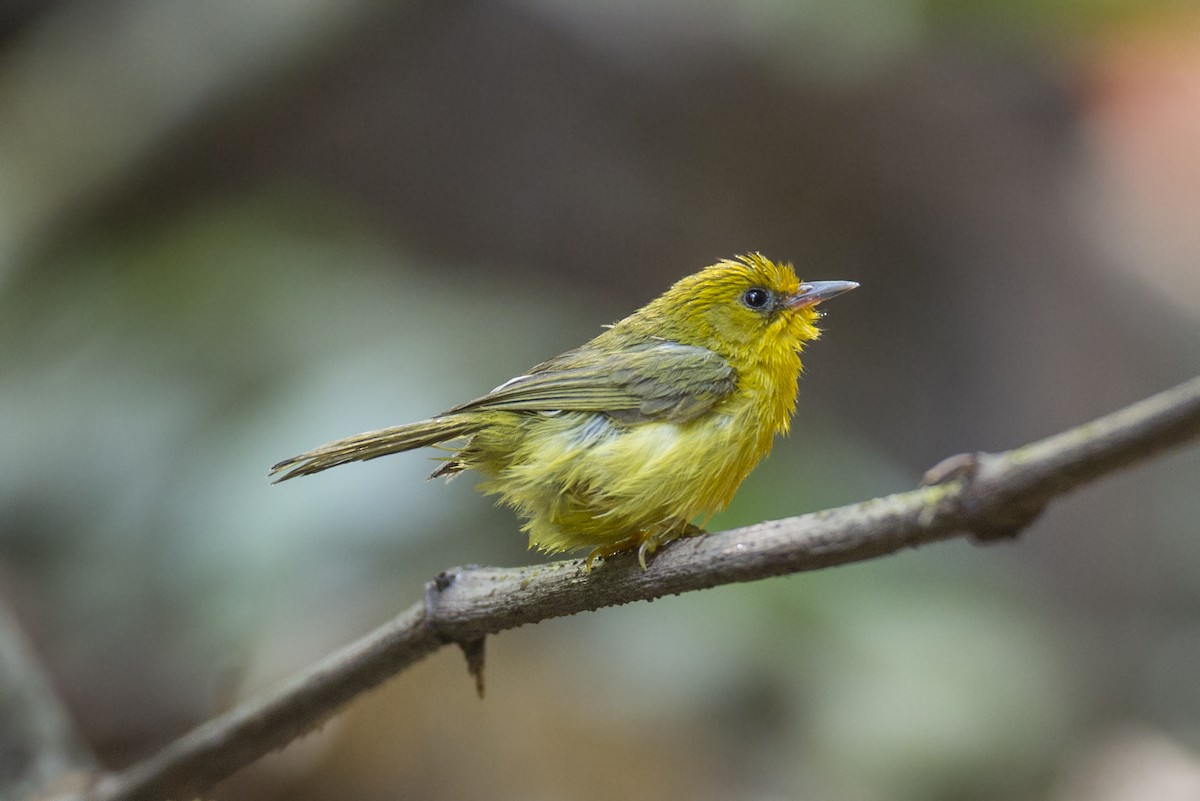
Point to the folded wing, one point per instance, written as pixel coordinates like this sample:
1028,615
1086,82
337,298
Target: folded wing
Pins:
658,380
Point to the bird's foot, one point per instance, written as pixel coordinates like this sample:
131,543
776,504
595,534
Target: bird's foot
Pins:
645,542
612,549
651,542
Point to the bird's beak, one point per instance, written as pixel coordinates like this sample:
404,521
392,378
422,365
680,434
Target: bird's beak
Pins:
815,292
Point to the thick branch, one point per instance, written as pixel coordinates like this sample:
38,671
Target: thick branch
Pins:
986,494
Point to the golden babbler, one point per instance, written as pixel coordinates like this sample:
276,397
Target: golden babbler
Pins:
622,442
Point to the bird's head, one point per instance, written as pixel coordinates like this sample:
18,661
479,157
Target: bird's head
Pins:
739,307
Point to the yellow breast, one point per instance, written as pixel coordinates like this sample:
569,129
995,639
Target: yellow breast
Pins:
585,481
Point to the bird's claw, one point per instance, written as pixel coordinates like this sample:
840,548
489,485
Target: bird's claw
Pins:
647,548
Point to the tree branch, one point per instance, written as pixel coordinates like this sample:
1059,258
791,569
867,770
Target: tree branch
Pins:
987,495
39,746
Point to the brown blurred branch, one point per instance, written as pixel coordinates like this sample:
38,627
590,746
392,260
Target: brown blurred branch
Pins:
39,747
987,495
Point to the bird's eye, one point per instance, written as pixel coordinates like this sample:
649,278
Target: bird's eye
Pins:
756,298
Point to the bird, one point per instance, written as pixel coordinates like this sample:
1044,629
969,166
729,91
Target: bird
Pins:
628,440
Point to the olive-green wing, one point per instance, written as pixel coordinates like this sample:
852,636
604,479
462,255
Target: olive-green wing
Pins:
656,380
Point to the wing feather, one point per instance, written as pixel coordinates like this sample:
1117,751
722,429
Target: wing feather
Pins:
659,380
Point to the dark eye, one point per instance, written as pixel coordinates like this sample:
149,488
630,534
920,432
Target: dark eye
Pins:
756,298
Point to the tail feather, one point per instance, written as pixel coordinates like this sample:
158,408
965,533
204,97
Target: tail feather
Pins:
374,444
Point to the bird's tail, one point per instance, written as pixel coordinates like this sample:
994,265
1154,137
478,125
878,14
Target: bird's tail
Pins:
374,444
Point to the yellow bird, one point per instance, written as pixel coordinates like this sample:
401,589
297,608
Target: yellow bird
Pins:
623,442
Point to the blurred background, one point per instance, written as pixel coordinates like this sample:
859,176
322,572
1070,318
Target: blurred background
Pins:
232,231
